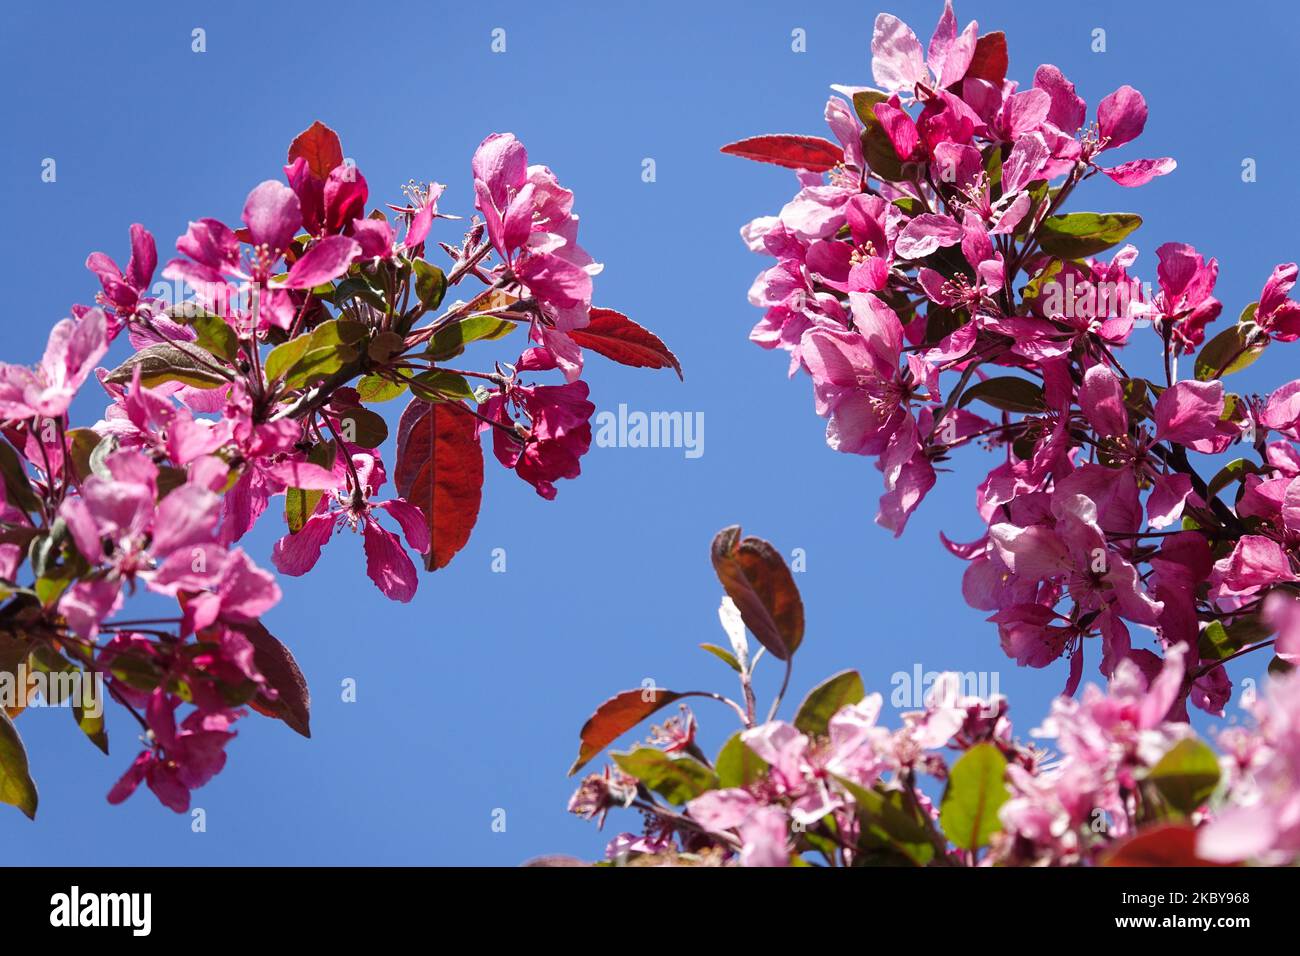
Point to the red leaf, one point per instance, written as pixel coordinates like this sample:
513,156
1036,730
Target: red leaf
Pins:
320,146
616,717
273,659
409,464
440,471
789,150
990,59
1171,844
756,578
615,336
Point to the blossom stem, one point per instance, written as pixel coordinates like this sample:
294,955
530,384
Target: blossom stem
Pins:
785,683
358,495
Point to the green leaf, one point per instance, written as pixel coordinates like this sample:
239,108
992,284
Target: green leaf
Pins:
723,655
217,337
1214,642
310,358
92,725
976,789
1186,775
1039,192
1277,666
993,166
1137,400
16,785
881,157
1233,349
1235,470
450,340
892,828
361,426
81,445
676,779
909,205
189,364
358,287
824,700
737,765
430,284
375,388
437,385
98,460
18,488
864,104
214,334
1079,234
385,346
1008,393
300,503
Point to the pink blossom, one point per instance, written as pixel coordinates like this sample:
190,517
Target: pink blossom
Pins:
70,356
387,563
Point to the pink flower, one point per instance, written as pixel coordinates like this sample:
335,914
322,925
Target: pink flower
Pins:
271,463
856,377
70,355
217,585
123,291
558,430
387,563
116,523
1260,821
182,758
899,65
1276,314
531,225
1185,303
1070,549
272,217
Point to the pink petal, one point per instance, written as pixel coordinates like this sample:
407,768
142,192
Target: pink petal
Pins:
296,554
1122,116
897,63
926,233
1139,172
1068,110
325,261
388,564
272,214
412,520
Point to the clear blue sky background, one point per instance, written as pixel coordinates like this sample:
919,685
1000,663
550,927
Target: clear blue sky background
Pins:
470,698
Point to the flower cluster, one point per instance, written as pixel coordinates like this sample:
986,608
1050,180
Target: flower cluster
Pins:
927,267
254,366
1113,776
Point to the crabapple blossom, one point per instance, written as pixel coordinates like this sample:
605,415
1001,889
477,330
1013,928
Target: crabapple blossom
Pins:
930,265
260,386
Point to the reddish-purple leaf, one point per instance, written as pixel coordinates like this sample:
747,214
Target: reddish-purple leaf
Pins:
320,146
616,717
408,466
617,337
440,471
1171,844
756,577
789,150
990,59
293,700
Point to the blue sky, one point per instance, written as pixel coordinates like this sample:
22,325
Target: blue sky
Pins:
471,697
